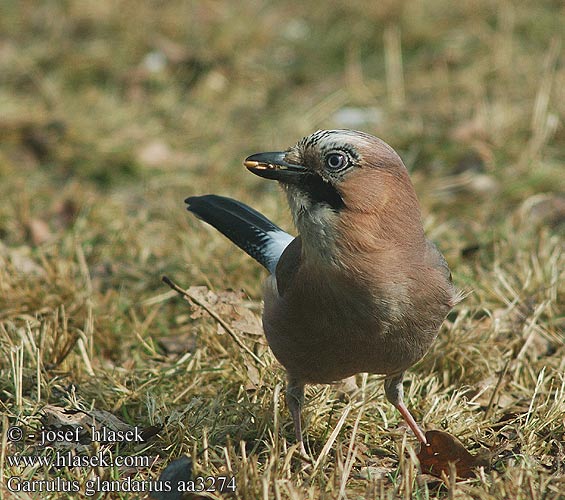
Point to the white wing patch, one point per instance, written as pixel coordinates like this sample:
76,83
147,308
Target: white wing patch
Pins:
274,245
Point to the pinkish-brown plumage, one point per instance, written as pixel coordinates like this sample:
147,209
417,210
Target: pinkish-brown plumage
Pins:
360,289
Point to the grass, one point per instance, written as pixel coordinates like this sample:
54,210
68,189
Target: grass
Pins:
113,112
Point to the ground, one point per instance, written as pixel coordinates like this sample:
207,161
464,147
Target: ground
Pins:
111,113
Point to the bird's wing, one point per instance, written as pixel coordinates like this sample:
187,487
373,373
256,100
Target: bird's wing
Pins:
288,265
248,229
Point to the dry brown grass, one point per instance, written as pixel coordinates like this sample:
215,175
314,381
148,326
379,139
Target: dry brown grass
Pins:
112,112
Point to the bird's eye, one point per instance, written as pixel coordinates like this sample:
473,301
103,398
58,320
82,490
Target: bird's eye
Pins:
336,161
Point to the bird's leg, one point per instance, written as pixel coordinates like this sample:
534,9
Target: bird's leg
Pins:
295,400
395,394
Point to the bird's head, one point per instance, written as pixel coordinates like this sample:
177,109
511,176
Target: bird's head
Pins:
332,173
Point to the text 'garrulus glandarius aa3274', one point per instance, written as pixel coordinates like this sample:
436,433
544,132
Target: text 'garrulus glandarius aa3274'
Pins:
360,289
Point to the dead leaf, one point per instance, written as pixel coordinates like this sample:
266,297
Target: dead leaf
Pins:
58,418
178,344
253,378
102,418
251,325
485,388
443,449
373,473
212,303
232,306
55,417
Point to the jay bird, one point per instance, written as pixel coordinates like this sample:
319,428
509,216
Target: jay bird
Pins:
360,289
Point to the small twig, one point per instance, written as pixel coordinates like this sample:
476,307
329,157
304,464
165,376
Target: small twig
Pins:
497,388
211,312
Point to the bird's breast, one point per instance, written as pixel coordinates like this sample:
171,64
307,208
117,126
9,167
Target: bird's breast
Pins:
329,325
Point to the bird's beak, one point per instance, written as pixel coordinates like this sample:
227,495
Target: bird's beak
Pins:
274,166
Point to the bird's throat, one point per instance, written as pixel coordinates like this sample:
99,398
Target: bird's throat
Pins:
316,222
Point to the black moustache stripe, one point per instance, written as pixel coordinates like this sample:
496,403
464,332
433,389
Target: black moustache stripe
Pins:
320,191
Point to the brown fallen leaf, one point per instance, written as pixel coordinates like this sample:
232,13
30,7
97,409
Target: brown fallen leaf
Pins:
56,418
178,344
253,378
228,304
443,449
221,306
373,472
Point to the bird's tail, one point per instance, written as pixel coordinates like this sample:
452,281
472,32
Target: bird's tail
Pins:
248,229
